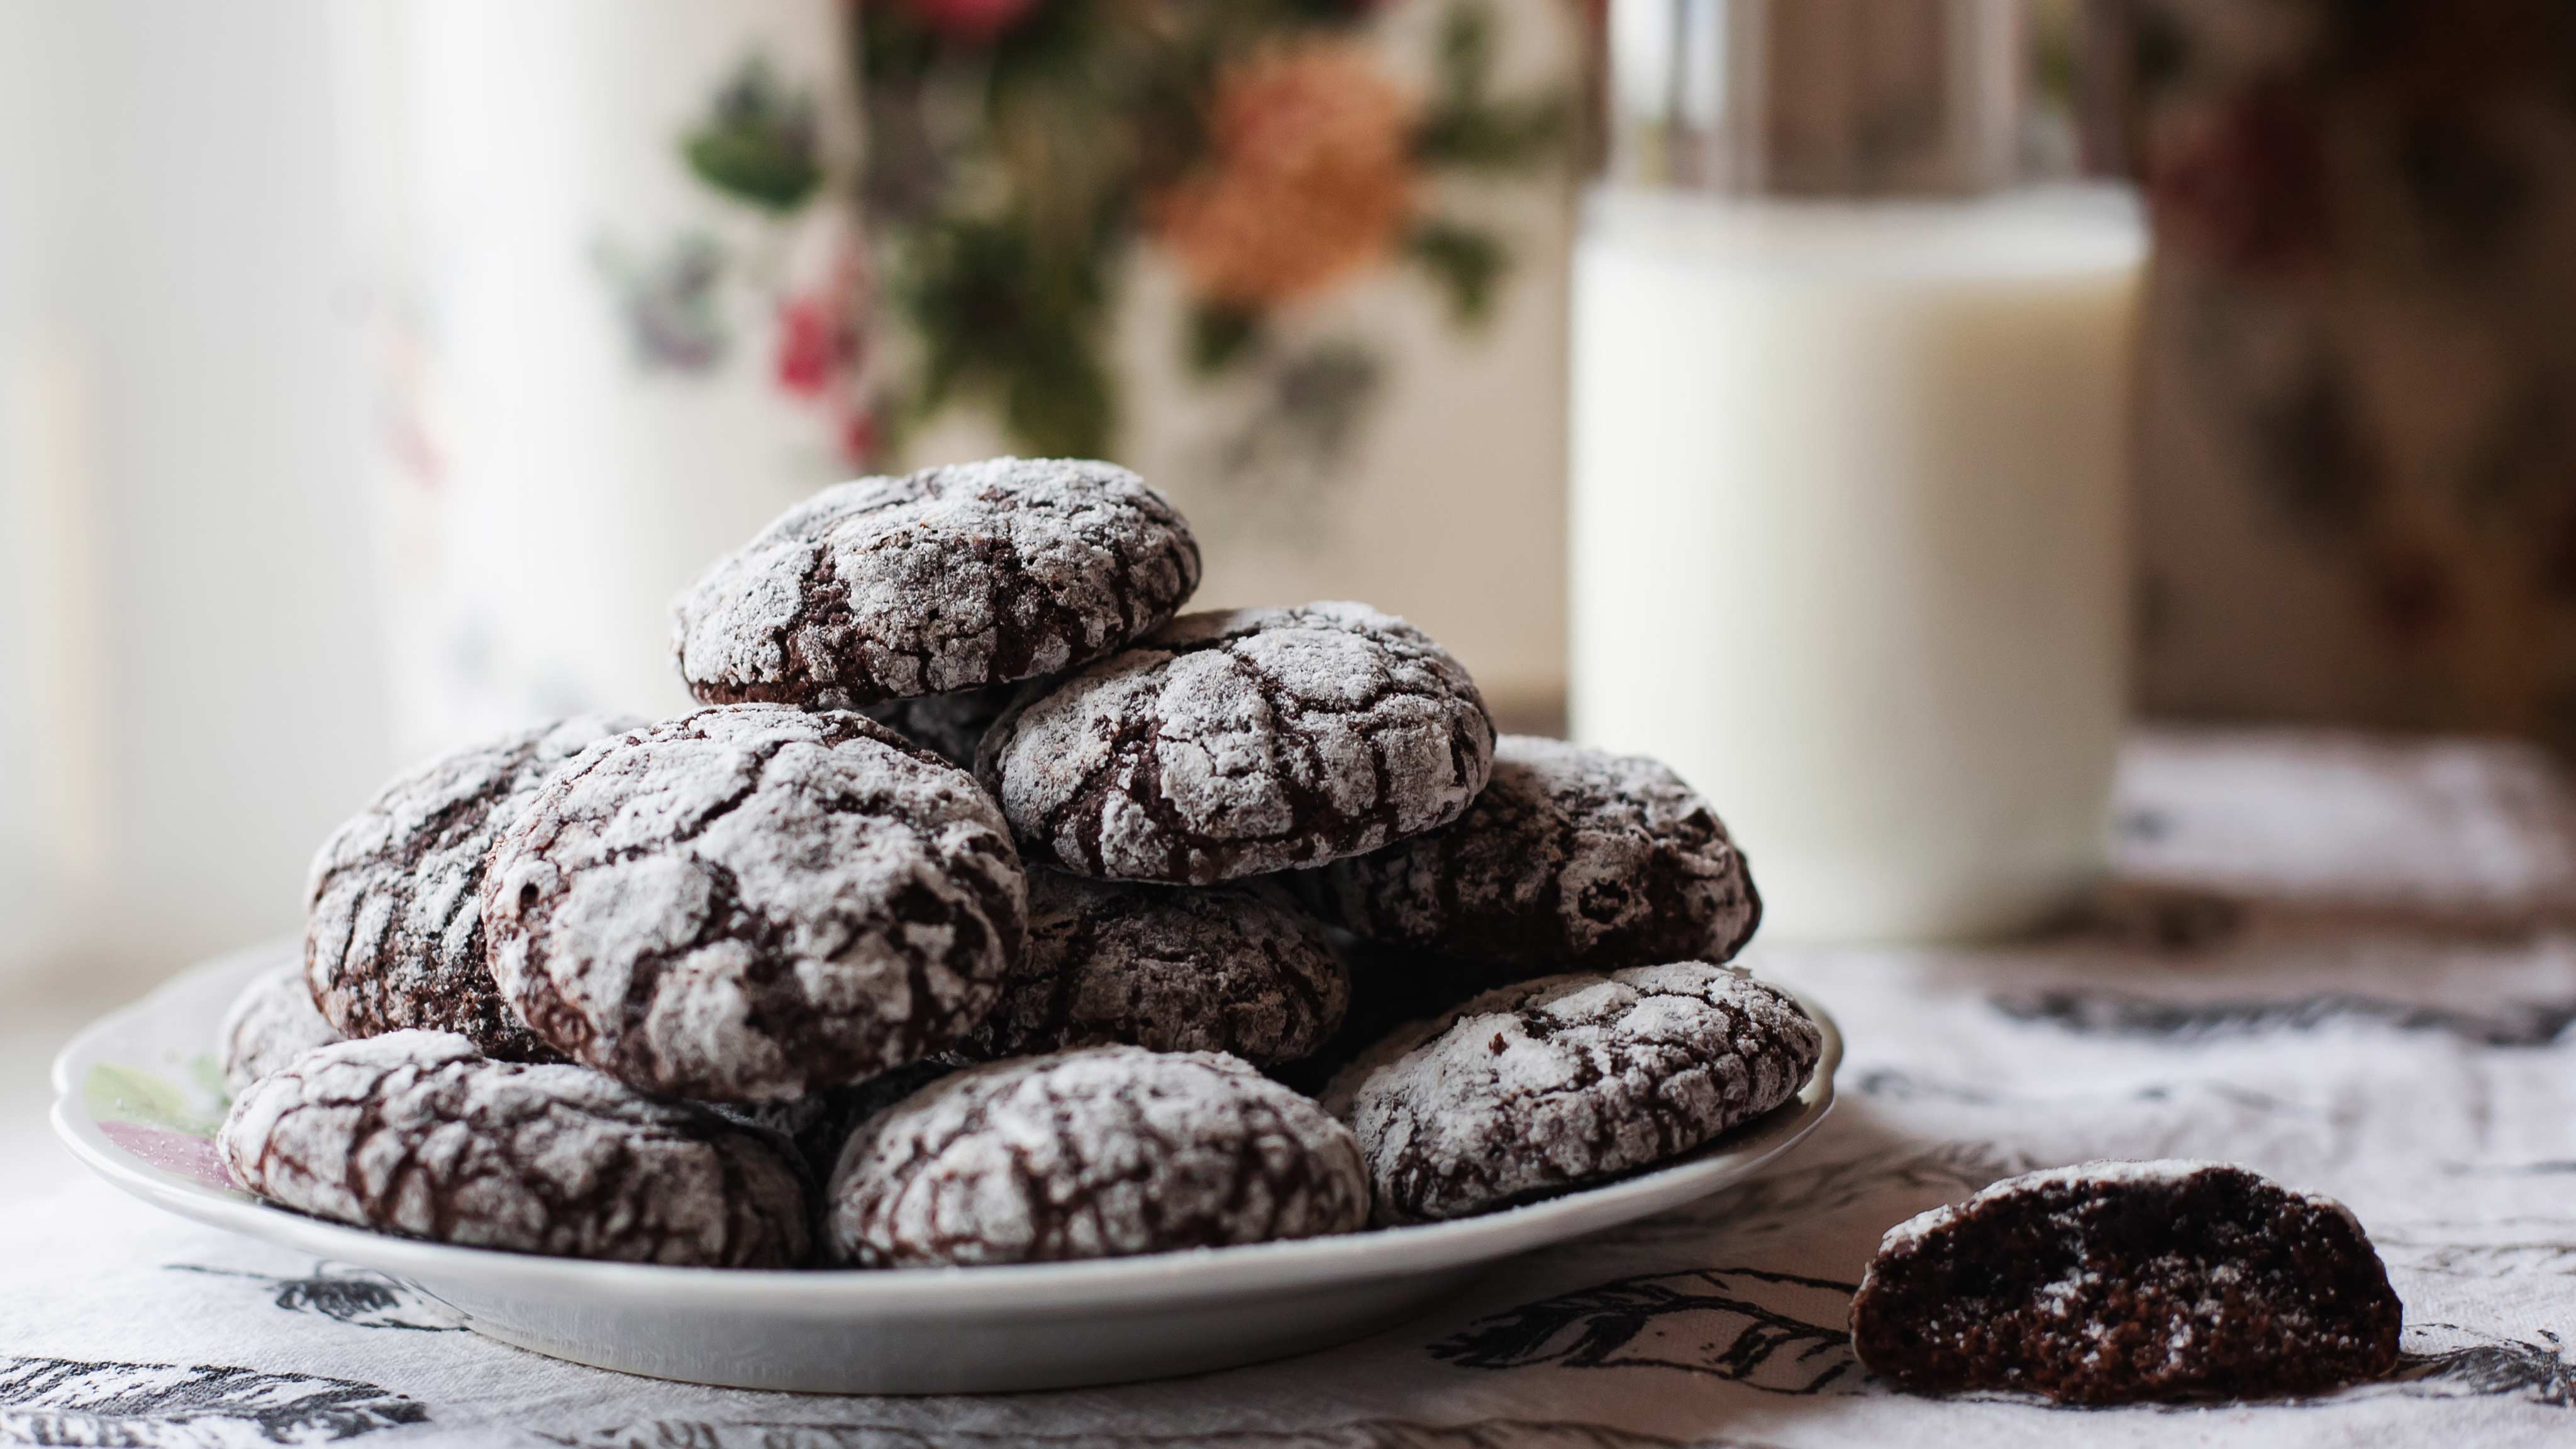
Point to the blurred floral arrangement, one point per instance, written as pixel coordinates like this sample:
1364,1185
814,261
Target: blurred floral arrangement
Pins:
1018,151
1018,148
758,144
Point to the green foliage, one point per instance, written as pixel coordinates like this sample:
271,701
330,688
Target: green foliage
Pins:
1469,264
758,144
1465,126
1219,335
1002,319
1008,179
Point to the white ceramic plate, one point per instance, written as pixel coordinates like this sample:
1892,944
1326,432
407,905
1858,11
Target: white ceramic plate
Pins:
138,1096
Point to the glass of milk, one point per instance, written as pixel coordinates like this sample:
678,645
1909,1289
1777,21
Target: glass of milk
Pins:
1849,462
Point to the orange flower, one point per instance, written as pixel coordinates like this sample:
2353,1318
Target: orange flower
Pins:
1308,179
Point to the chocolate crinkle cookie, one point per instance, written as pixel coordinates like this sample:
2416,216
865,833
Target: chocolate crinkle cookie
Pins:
416,1132
2121,1281
818,1125
1235,743
269,1025
1237,969
1392,987
753,903
1537,1088
1101,1153
1572,859
393,938
946,579
948,725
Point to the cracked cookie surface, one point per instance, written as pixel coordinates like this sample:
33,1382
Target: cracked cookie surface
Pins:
1571,859
1101,1153
271,1023
2115,1282
1238,742
752,903
1237,969
946,579
1545,1086
417,1133
393,934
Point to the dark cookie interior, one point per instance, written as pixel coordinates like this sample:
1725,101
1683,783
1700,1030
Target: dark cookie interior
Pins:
2129,1281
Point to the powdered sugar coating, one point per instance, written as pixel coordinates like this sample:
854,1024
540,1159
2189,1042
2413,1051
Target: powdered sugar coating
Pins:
271,1023
946,579
752,903
1102,1153
948,725
2119,1281
1540,1087
393,937
1236,969
1571,858
417,1133
1234,743
2106,1173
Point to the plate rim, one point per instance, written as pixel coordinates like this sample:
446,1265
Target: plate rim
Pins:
1020,1290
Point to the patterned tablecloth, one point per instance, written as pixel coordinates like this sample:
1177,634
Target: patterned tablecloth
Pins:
2348,964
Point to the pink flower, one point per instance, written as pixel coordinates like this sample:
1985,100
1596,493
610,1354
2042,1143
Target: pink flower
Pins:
974,21
811,345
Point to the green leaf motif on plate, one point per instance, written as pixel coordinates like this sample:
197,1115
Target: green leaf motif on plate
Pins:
207,1071
115,1093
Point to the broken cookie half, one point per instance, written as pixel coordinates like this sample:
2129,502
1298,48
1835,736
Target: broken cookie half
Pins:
2116,1282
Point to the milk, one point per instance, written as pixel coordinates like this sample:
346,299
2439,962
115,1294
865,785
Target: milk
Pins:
1849,537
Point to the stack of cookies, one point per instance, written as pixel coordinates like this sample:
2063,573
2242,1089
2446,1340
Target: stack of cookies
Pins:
993,910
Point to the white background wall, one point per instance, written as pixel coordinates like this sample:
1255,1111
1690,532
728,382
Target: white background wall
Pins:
189,693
